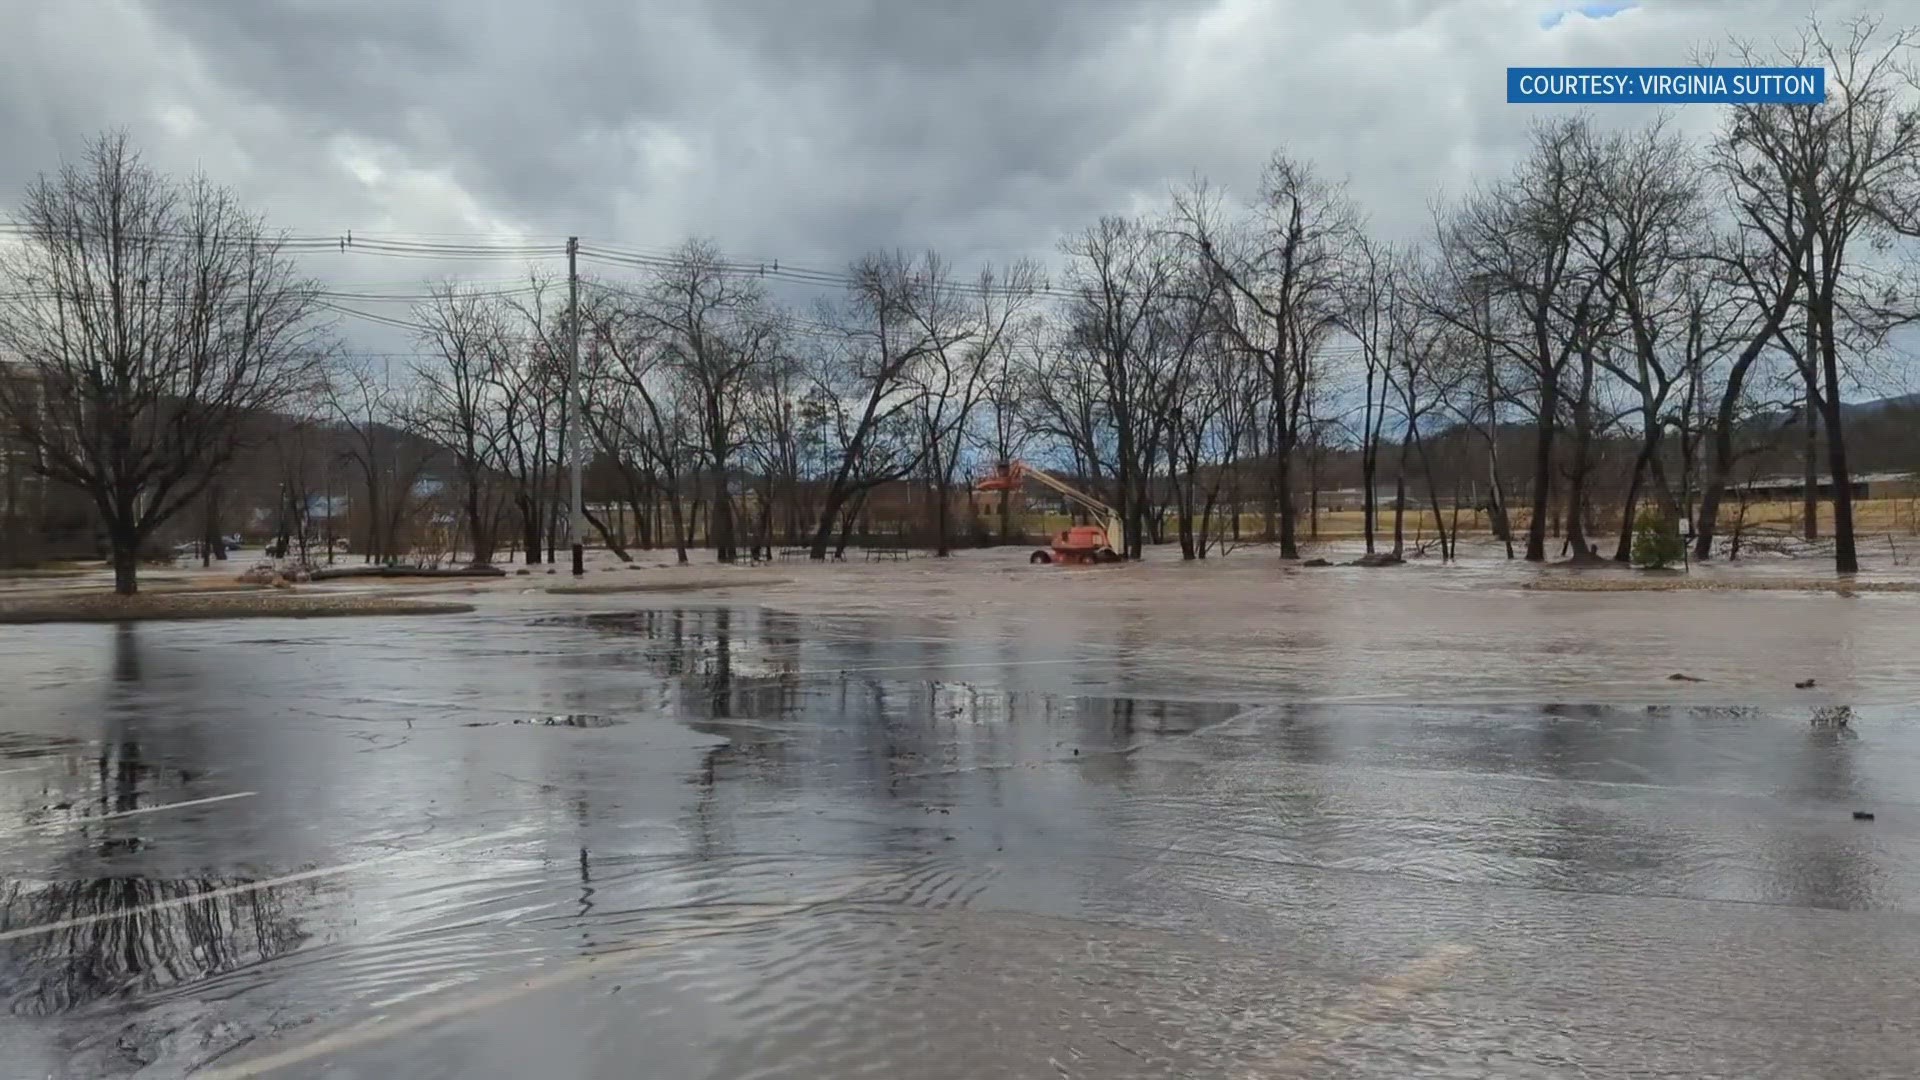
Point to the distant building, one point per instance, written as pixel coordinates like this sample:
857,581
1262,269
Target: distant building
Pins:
1887,485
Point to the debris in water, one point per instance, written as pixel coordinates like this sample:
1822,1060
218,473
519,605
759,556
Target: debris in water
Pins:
580,720
1832,715
1863,815
1804,684
1378,558
1683,677
1316,563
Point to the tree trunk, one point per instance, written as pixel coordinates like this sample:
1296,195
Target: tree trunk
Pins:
1543,472
1313,496
477,526
529,527
1496,498
1845,559
1369,468
829,517
1184,489
1400,502
942,544
763,533
1131,517
216,544
846,525
1716,486
1283,481
720,517
1582,450
126,561
607,536
636,502
1623,551
1433,496
675,518
1272,509
1810,474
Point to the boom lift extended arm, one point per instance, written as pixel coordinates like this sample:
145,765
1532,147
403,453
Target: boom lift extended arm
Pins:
1109,542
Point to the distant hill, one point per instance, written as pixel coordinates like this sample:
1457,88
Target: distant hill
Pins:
1849,411
1875,408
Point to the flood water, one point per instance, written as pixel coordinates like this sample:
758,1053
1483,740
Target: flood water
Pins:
627,838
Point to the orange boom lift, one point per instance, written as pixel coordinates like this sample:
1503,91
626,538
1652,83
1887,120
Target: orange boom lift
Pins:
1100,542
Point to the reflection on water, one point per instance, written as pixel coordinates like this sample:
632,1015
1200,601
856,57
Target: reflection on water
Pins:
156,936
1018,850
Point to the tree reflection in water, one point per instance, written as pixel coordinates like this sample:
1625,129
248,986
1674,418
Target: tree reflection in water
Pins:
144,950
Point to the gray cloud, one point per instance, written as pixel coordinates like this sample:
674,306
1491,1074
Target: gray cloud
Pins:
805,131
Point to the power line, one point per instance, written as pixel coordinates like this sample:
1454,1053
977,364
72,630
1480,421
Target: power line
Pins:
489,247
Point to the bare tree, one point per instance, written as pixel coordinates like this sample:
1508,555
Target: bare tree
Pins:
1650,219
718,336
455,402
529,381
152,318
1006,397
867,384
1282,271
1065,400
299,449
1517,243
774,415
634,412
1427,360
1122,273
1368,295
1816,180
965,326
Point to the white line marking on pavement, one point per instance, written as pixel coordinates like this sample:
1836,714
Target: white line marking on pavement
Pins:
251,886
70,822
1361,1009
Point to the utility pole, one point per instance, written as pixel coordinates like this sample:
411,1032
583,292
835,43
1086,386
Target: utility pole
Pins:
575,404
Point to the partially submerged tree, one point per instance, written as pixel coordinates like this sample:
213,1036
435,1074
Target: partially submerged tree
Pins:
1280,275
1518,244
1814,184
866,383
152,317
454,402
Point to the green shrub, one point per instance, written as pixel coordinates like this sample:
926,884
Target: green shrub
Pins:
1656,541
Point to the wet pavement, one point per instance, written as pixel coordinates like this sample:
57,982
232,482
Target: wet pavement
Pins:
629,836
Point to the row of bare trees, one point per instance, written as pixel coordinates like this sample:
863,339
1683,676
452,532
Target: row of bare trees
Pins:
1190,363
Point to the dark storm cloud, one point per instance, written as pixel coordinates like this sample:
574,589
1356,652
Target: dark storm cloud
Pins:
809,131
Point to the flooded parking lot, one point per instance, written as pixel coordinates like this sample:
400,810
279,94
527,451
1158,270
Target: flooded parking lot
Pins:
1090,830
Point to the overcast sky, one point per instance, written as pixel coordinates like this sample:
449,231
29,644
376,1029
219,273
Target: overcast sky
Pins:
804,130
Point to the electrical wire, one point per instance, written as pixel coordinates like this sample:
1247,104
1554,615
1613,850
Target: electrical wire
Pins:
461,247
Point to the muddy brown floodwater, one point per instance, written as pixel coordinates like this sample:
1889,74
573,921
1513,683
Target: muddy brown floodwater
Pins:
973,818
